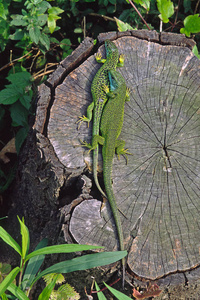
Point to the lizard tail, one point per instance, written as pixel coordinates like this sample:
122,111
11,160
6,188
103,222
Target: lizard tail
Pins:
112,201
95,171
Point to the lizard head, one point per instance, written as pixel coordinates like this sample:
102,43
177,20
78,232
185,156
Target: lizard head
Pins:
110,48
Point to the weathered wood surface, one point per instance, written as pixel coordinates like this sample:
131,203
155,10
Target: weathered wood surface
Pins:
157,191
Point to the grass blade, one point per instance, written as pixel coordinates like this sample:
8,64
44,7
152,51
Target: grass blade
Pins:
100,295
33,266
25,237
47,290
8,280
117,294
65,248
7,238
17,292
84,262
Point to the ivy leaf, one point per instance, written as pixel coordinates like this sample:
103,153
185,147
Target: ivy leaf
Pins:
166,9
192,25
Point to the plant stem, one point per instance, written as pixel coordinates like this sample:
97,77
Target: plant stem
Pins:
139,14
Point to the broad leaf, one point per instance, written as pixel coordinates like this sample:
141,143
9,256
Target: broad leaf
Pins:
8,96
166,9
192,25
34,33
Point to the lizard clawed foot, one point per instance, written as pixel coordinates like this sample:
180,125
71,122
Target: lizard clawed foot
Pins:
98,56
121,58
124,152
85,144
105,88
82,119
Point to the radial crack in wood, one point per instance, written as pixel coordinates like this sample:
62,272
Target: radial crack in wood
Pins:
158,190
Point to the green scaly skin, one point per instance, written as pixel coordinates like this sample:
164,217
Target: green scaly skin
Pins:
100,98
110,127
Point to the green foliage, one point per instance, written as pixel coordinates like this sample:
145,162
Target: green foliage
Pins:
195,51
31,24
166,9
30,273
65,291
121,26
191,25
4,270
16,97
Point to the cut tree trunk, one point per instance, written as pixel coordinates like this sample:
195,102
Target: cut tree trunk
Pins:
157,192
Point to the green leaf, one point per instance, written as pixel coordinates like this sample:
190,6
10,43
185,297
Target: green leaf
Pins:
196,52
65,248
34,33
166,9
5,269
84,262
52,22
8,280
55,11
33,266
4,297
44,5
20,138
18,35
117,294
8,96
48,289
100,295
18,20
21,79
25,237
45,41
6,237
123,26
19,114
143,3
17,292
192,25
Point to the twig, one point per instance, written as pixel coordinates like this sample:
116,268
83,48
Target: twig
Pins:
102,16
13,61
139,14
195,10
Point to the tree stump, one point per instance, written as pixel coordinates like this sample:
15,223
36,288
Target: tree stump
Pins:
157,192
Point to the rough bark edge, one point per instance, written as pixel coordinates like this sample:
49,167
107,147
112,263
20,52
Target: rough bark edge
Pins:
82,52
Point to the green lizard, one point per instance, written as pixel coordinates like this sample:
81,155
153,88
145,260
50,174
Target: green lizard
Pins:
99,96
110,127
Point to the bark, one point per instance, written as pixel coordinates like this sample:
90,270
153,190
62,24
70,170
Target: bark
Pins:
157,192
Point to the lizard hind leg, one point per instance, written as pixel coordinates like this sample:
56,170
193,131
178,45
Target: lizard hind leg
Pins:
120,150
